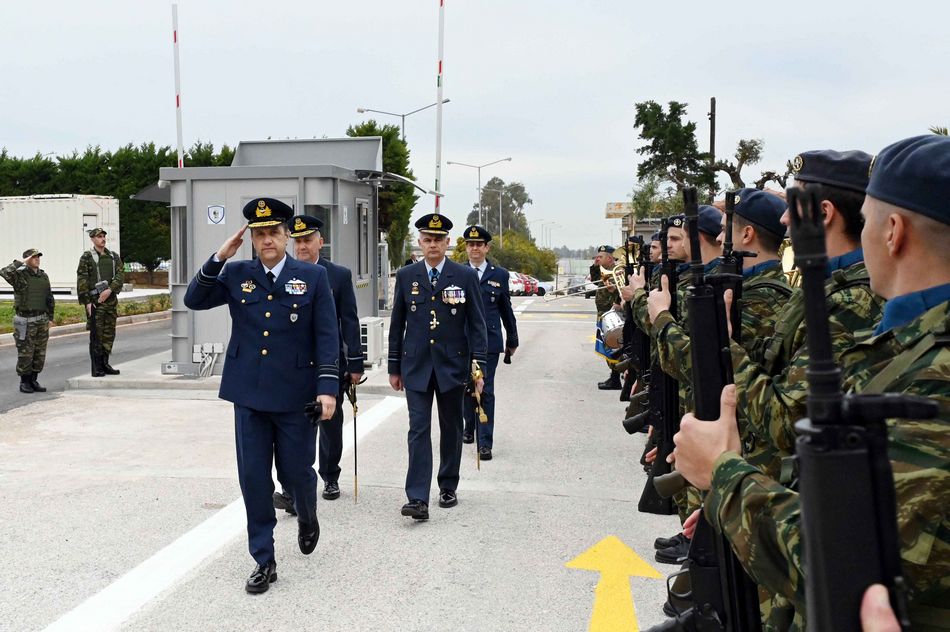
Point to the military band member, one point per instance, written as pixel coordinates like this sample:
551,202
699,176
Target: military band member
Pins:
99,280
284,349
436,329
493,282
606,299
33,311
308,241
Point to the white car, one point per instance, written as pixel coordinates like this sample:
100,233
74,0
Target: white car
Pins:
515,284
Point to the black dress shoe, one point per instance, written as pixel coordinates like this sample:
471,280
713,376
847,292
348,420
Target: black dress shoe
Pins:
665,543
283,500
307,535
261,579
331,491
416,509
674,554
448,498
484,454
468,437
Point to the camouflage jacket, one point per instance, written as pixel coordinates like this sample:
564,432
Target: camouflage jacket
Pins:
762,518
16,274
86,276
605,299
759,307
772,401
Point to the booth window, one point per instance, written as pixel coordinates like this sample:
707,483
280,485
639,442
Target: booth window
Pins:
181,267
365,256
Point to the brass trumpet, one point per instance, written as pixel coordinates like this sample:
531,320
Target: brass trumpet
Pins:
614,278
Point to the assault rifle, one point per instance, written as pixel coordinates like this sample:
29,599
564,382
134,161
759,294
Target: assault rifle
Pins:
724,598
845,477
638,360
664,412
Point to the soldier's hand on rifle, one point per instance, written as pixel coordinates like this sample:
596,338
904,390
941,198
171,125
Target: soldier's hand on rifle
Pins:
650,456
689,525
659,299
230,247
727,303
88,309
329,405
700,443
106,293
877,615
636,281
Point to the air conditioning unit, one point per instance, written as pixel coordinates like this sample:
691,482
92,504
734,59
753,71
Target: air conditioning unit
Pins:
371,336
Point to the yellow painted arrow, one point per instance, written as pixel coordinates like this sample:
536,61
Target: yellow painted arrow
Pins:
613,603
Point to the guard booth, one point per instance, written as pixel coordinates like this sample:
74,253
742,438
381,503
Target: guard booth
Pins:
315,177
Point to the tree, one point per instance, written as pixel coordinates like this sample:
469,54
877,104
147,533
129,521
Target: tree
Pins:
773,176
396,201
672,153
748,152
519,253
514,198
939,130
650,199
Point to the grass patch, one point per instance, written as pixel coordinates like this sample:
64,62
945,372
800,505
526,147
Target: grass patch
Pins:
68,313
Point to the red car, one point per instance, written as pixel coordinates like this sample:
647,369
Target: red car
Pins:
530,284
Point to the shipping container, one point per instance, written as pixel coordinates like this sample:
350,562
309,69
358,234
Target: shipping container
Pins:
56,225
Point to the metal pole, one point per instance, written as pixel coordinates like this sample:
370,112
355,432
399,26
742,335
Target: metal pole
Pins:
403,127
438,108
479,196
501,227
181,147
712,142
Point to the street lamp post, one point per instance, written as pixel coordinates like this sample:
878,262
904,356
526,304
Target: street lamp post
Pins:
501,228
401,116
479,168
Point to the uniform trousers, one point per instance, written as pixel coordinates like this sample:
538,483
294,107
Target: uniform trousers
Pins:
486,431
419,476
331,442
262,438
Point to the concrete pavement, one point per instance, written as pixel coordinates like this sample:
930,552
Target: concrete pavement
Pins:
98,483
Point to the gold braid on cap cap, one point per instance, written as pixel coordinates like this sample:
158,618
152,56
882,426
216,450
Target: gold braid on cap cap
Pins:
262,209
473,232
299,225
435,222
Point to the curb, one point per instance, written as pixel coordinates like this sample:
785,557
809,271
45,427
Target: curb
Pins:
65,330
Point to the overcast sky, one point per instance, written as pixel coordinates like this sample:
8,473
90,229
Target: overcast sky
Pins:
550,83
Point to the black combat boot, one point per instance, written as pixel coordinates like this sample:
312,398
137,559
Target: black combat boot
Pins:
25,386
36,385
611,384
96,359
106,367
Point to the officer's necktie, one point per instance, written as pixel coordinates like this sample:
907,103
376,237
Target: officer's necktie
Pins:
271,278
433,276
479,273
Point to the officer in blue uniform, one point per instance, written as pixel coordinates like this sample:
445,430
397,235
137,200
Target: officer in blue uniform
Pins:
493,282
436,329
283,350
308,240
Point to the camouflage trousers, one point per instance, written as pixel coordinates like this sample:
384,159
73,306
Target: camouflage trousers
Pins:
31,348
104,317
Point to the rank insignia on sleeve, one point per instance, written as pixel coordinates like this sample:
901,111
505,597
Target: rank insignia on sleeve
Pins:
248,286
296,287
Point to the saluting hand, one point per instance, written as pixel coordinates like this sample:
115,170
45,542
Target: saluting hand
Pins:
659,299
328,402
230,247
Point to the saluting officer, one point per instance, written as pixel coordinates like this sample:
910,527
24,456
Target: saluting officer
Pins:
493,282
437,327
308,240
33,310
283,349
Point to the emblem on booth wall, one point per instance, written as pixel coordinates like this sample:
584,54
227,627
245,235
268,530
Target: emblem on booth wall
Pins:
215,214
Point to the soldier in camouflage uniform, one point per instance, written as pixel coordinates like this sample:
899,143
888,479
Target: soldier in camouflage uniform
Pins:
605,299
906,239
99,279
33,303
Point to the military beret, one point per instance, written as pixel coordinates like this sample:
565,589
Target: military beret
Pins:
302,225
710,220
677,221
608,249
264,211
95,232
477,233
655,236
31,252
434,224
914,174
842,169
763,209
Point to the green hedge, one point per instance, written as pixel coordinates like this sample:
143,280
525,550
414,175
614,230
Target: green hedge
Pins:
68,313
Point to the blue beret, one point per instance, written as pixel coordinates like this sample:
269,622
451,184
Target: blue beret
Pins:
842,169
476,233
434,224
678,221
302,225
710,220
607,249
915,174
655,236
763,209
265,211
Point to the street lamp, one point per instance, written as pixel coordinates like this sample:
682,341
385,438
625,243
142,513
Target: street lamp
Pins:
479,167
543,224
402,116
501,228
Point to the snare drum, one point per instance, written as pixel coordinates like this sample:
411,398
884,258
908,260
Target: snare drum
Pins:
611,325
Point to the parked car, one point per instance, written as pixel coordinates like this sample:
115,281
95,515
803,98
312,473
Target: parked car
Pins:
544,287
515,284
530,285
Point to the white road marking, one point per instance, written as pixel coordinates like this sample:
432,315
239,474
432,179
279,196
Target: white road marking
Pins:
114,604
523,306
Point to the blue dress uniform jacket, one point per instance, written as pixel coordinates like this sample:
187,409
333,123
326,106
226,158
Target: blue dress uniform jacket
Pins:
344,299
428,334
284,346
497,301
